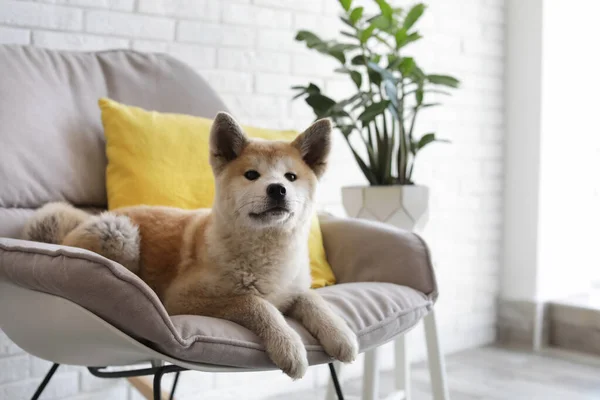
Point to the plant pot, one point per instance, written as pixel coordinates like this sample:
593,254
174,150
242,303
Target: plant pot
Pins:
403,206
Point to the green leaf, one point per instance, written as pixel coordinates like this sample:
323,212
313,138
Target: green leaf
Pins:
337,55
342,70
413,15
419,95
385,8
320,104
364,99
366,34
425,140
373,110
364,168
347,22
393,61
349,34
391,92
350,100
429,91
413,37
445,80
429,105
346,4
400,37
406,66
357,78
374,77
382,22
385,74
355,75
356,14
308,37
394,111
332,49
310,89
343,47
418,74
358,60
346,129
312,41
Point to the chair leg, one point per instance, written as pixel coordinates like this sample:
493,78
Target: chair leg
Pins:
371,375
172,396
402,366
47,378
156,386
437,369
330,393
336,382
158,379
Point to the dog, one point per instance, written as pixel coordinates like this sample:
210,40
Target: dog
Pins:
245,260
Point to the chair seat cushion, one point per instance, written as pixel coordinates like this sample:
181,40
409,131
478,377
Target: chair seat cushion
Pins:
377,312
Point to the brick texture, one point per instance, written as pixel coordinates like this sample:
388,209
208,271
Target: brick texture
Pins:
246,49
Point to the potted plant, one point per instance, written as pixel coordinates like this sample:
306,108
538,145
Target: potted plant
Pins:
391,90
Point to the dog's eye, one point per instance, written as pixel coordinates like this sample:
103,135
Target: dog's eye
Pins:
252,175
291,177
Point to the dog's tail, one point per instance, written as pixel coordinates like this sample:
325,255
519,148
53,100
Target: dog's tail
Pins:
110,235
53,222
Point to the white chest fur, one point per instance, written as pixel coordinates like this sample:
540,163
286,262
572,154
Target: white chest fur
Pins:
272,266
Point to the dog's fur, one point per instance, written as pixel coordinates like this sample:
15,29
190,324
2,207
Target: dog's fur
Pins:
246,260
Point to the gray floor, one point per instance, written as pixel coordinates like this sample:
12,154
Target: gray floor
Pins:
497,374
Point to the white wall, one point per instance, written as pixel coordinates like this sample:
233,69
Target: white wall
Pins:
246,49
569,216
552,147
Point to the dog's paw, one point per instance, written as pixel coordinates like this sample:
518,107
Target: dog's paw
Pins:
289,355
340,342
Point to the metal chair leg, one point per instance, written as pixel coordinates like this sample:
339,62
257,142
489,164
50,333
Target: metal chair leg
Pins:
330,390
172,396
158,379
44,383
336,383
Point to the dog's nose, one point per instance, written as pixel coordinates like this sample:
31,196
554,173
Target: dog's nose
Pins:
276,191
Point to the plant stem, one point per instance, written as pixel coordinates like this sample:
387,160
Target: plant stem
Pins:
371,151
386,160
363,166
403,149
412,124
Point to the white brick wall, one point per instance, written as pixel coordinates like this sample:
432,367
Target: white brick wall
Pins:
246,49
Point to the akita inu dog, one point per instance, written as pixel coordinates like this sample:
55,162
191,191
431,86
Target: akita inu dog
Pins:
244,260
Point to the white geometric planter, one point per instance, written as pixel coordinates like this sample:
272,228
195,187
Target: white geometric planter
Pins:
403,206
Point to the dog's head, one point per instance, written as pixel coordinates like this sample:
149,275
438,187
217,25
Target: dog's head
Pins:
262,183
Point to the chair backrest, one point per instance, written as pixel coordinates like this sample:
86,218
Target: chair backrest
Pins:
51,136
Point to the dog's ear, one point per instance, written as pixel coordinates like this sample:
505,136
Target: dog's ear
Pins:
314,145
227,140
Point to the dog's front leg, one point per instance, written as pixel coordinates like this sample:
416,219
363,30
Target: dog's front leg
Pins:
282,343
335,335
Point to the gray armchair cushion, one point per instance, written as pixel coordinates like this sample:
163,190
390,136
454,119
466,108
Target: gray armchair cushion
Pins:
375,311
366,251
51,138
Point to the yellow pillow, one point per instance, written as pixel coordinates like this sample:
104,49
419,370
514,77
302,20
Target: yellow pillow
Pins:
162,159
